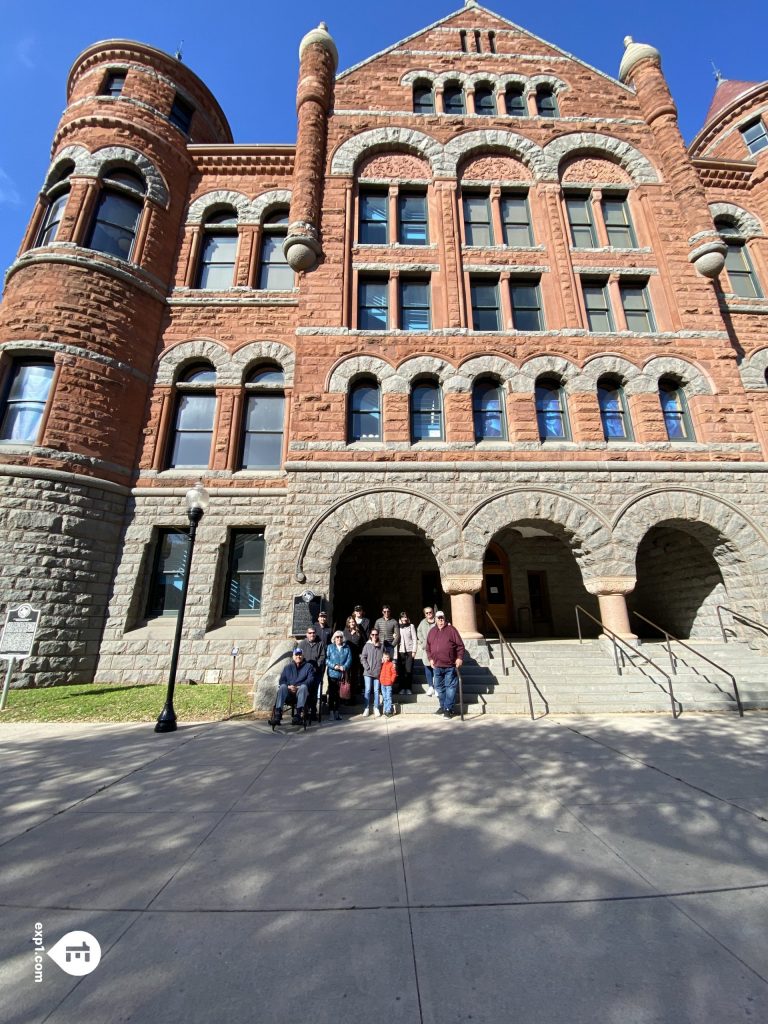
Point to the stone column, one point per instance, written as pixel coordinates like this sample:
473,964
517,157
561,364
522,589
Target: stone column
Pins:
317,69
462,590
611,594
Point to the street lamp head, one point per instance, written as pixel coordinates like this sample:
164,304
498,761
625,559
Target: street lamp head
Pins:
198,499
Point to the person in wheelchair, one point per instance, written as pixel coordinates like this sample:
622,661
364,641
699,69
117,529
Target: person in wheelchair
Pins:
293,688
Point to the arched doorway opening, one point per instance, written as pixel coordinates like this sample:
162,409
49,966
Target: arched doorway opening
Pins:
679,582
385,562
532,583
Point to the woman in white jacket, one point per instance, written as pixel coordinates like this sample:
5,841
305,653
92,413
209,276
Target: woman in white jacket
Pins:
406,651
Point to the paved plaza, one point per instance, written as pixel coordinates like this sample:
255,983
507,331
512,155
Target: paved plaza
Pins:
586,869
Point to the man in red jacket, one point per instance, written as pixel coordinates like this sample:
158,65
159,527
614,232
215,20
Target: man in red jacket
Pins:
445,650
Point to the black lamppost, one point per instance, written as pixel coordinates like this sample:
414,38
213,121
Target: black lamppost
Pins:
198,500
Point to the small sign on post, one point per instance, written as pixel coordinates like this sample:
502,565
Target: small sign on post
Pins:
17,639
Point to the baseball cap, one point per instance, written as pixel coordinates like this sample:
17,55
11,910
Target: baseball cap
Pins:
298,650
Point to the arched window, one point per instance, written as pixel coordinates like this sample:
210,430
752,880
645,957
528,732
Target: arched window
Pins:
423,98
218,252
113,229
741,274
453,99
264,417
275,273
57,196
193,424
365,410
485,101
514,100
488,410
674,408
613,410
426,412
546,104
551,413
25,396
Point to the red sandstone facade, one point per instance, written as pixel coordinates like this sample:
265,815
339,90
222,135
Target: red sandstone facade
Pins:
91,496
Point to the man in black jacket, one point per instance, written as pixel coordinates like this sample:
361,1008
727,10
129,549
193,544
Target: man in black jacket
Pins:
313,649
293,688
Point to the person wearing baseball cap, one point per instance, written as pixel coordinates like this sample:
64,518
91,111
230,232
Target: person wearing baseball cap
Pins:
293,688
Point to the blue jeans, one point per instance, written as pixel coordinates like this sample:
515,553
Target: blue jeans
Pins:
371,682
386,696
429,673
446,682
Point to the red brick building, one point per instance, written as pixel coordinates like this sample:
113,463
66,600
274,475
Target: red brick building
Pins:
488,334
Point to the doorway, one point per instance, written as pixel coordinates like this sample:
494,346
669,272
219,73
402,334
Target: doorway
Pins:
496,594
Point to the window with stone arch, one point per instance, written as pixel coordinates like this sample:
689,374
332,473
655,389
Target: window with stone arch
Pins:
488,412
275,273
426,410
24,399
263,418
453,99
551,410
191,438
56,197
118,211
674,409
546,102
423,97
485,100
739,268
218,250
514,101
364,410
614,411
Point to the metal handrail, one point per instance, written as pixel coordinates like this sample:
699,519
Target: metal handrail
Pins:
673,660
741,618
619,643
517,662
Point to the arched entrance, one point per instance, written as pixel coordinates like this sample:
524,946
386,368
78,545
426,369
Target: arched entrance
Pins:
532,582
385,562
679,582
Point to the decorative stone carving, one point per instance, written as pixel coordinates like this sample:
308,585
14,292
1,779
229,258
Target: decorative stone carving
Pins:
349,153
494,168
495,141
586,169
462,584
610,584
632,160
397,166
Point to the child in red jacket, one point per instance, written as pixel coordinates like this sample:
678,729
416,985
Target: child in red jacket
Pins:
387,679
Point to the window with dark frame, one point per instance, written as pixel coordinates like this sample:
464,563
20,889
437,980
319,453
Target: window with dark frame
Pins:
412,218
674,408
546,104
551,413
116,218
637,306
597,304
514,101
113,84
426,412
583,233
488,410
374,218
169,563
365,410
263,420
755,136
516,220
181,114
478,227
525,297
414,304
275,273
614,415
216,268
453,99
245,573
192,436
25,396
618,222
373,304
53,217
485,101
741,272
423,98
484,291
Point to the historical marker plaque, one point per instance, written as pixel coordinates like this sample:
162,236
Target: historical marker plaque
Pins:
305,612
19,632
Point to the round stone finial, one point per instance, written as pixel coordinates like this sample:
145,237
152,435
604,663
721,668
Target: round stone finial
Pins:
633,53
322,36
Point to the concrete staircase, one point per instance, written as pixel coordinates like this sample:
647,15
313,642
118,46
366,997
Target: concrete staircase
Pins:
573,678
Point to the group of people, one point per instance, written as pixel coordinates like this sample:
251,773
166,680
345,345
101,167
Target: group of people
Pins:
370,660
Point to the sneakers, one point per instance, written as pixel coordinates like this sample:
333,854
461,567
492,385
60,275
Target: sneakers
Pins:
430,691
448,713
366,712
439,711
378,712
390,713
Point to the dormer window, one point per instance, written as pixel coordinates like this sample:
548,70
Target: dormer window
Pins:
113,84
181,114
755,136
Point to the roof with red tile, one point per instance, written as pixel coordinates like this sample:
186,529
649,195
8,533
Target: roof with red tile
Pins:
725,93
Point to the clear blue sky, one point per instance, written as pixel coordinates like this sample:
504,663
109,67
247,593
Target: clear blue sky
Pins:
250,61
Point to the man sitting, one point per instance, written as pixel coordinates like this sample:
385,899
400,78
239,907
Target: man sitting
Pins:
293,687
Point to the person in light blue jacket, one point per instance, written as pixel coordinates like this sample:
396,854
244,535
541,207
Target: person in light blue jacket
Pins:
338,660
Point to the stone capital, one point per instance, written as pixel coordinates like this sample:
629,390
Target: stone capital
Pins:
462,584
610,584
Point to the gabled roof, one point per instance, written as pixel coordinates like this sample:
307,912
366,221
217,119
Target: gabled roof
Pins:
725,94
505,22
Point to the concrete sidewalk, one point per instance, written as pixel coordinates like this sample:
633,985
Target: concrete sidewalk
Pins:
601,870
